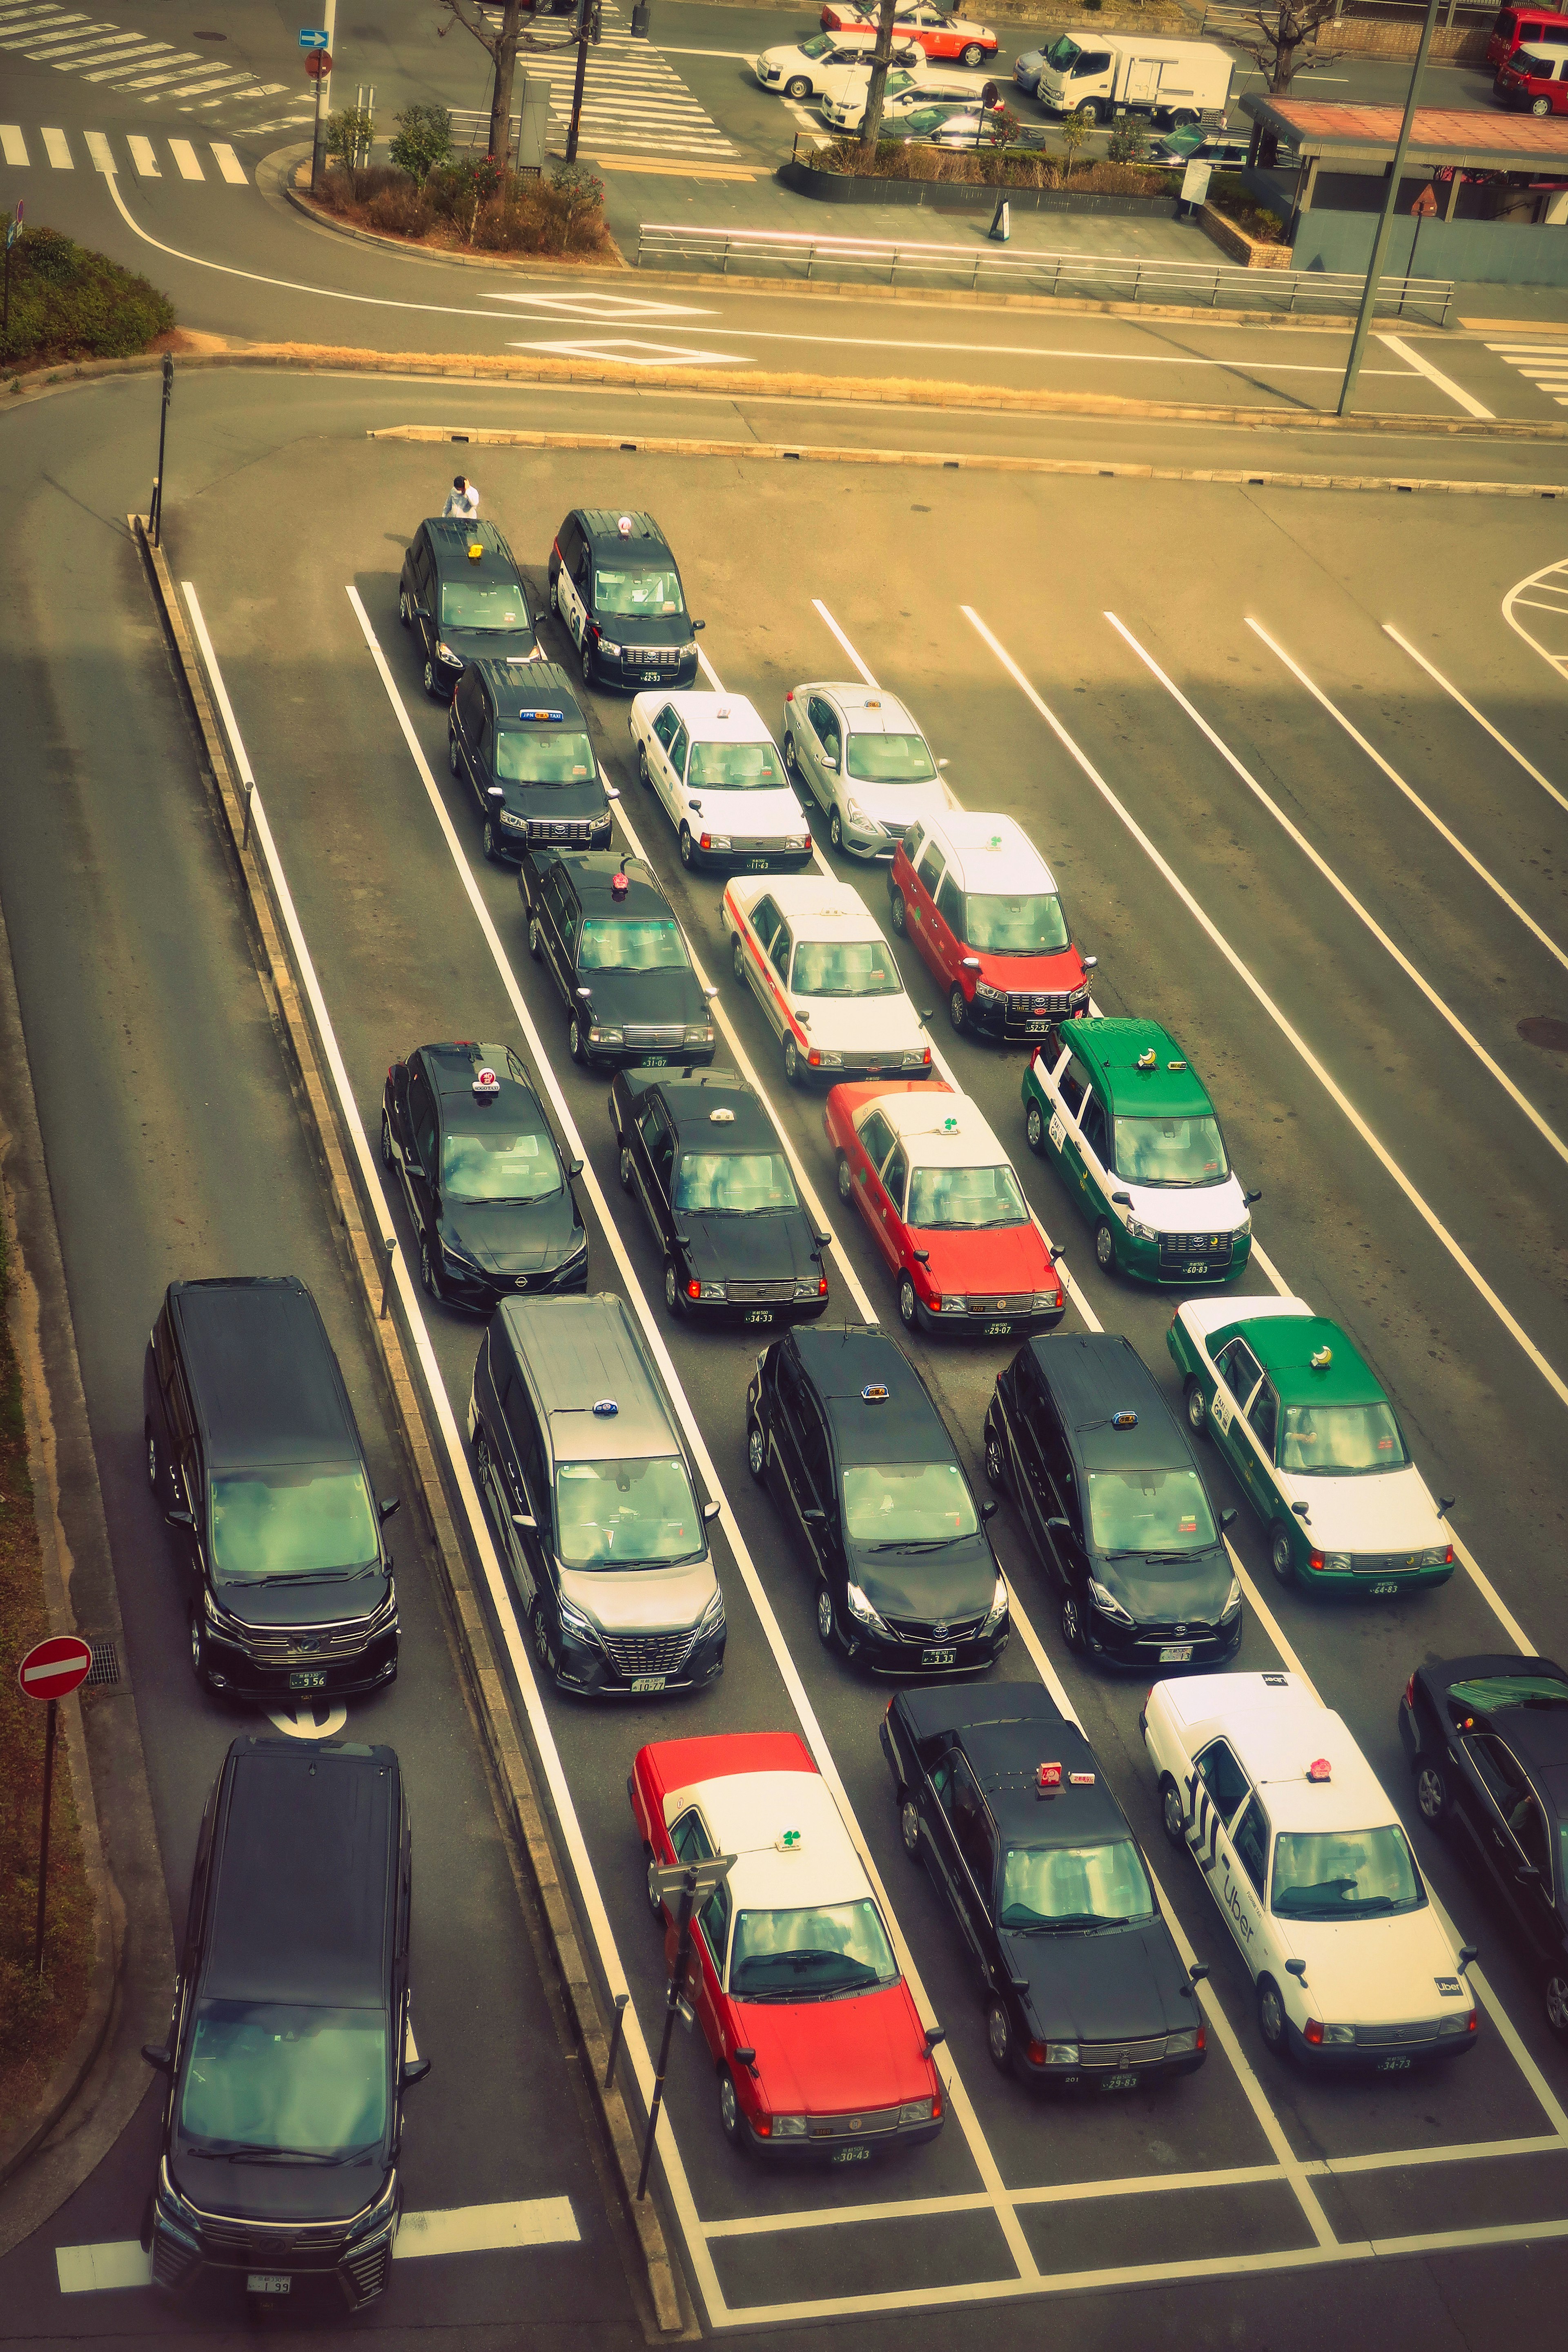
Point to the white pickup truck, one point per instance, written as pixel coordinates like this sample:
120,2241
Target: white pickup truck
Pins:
1182,79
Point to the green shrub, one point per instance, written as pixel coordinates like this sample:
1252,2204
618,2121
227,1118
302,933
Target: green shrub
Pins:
422,140
1228,194
69,303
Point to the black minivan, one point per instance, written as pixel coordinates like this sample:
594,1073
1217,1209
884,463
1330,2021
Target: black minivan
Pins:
615,585
288,2050
254,1453
461,592
515,734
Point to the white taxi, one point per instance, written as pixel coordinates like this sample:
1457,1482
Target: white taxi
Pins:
719,778
809,950
800,69
906,89
1313,1873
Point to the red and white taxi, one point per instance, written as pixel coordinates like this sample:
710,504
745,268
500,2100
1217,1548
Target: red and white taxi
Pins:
809,950
946,1209
939,35
814,2033
982,909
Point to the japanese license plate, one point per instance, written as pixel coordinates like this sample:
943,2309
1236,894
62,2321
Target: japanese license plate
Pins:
997,1331
1036,1028
1120,2083
1196,1266
758,864
760,1315
652,677
850,2155
1392,2065
655,1061
313,1681
939,1657
1385,1588
1176,1653
647,1682
269,2283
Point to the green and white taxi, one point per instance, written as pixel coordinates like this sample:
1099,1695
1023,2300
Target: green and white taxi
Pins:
1124,1117
1314,1443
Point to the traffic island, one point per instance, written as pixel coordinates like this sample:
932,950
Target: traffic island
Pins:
65,302
469,212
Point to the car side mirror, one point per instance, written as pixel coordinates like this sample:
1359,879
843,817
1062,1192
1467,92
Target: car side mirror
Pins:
925,1013
1019,1984
1445,1505
1090,963
711,1512
1197,1972
1301,1510
812,1511
971,963
573,1168
611,791
711,994
1527,1875
823,1241
988,1510
1121,1200
1297,1968
942,763
525,1521
495,796
697,625
1065,1525
1249,1199
935,2036
1467,1952
414,2070
387,1505
920,1257
746,2058
1226,1519
180,1519
159,2055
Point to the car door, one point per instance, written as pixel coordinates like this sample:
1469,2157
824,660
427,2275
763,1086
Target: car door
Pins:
884,1197
1257,1434
817,1463
655,757
1021,1393
568,601
1062,1502
1214,1791
947,929
791,1489
525,1492
672,778
1507,1830
422,1167
776,979
705,1968
973,1856
869,1144
1097,1181
762,925
655,1165
466,728
825,736
1238,1373
561,932
919,911
426,597
1241,1883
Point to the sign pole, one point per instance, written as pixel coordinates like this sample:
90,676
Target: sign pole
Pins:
44,1839
1380,242
51,1669
585,12
672,2005
316,135
163,434
12,231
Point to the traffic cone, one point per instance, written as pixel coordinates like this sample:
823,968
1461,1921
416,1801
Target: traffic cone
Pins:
1001,227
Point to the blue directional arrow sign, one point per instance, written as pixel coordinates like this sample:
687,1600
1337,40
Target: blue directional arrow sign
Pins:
308,40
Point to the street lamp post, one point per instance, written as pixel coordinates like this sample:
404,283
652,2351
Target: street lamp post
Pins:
588,21
1385,221
163,435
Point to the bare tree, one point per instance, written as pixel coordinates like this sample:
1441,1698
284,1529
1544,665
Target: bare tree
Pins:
501,44
881,56
1283,29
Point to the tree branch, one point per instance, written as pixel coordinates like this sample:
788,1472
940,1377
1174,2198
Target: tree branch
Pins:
472,22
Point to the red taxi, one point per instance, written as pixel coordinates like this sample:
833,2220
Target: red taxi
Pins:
979,901
1542,30
945,1209
939,35
1534,82
812,2032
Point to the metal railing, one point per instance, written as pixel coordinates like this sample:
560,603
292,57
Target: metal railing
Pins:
1114,277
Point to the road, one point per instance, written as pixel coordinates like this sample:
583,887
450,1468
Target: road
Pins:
1358,991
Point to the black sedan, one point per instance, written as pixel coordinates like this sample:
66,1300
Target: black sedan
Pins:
701,1156
489,1195
606,934
842,1431
1488,1740
1016,1823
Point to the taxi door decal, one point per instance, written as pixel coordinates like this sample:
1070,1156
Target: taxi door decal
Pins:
1056,1130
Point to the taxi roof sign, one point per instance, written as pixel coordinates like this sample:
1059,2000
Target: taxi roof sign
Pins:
1048,1779
487,1086
1126,1419
721,1118
556,715
874,1393
475,549
1081,1779
789,1842
1320,1358
624,526
605,1407
1318,1770
1147,1058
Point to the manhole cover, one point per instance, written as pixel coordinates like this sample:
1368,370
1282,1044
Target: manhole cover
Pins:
1545,1029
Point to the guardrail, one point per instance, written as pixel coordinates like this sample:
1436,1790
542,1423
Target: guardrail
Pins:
1117,277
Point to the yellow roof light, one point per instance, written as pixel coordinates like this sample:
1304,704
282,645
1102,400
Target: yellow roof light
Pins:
475,550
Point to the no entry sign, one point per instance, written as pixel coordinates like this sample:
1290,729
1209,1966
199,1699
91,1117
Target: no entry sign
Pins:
53,1669
319,63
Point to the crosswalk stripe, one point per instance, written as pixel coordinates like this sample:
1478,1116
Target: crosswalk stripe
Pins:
185,156
208,84
101,153
165,73
143,156
229,163
22,30
132,60
45,47
12,144
94,51
15,36
56,149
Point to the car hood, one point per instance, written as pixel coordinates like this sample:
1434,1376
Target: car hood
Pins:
642,1599
857,1025
790,53
647,996
753,1248
1186,1208
275,2192
756,815
837,2057
302,1600
896,805
508,1237
491,644
583,796
1387,1511
1052,975
645,628
1002,1259
1110,1984
1194,1589
957,1582
1373,1972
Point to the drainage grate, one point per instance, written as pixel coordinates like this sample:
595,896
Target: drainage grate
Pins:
105,1666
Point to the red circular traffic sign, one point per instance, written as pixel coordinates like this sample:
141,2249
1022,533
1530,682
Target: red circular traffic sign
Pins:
319,63
53,1669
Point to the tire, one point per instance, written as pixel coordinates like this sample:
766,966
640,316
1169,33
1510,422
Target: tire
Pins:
403,614
1556,1996
846,1179
791,765
574,1044
1072,1627
1540,106
555,599
587,661
388,1159
737,956
1271,2018
791,1060
896,911
688,852
999,2046
1088,112
427,1274
827,1618
907,1303
534,947
1182,119
1105,1246
626,1170
673,1303
540,1633
153,1473
797,86
491,845
972,55
1034,1129
1431,1794
995,1463
1173,1815
644,779
730,2109
958,1009
481,1458
655,1902
199,1666
452,760
1281,1555
430,687
1197,1406
910,1824
835,830
756,1452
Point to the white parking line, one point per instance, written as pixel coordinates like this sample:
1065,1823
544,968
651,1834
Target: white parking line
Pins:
454,2229
1498,737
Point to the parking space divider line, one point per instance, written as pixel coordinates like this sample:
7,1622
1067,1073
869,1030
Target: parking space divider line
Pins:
1496,733
1466,2152
906,2208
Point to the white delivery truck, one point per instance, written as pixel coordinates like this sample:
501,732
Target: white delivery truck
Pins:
1183,80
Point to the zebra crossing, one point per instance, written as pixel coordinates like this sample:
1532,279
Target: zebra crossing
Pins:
52,149
634,103
153,73
1545,365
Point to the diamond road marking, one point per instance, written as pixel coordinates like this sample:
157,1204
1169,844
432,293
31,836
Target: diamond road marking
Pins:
627,354
626,308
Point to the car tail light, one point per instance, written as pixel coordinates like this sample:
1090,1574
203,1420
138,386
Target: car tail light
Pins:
1313,2032
814,1061
936,2099
1037,2054
1475,2020
1203,2037
1410,1691
1314,1560
694,1290
1449,1557
705,841
790,696
822,1292
933,1300
763,2126
808,841
927,1058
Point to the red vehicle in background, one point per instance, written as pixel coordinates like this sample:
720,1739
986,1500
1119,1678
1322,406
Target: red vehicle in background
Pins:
1542,30
1533,84
979,901
939,35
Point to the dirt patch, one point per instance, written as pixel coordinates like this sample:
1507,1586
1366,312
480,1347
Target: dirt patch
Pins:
1546,1029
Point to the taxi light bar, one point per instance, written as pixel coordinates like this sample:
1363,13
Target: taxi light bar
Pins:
475,551
1318,1770
486,1086
555,715
874,1393
1048,1779
1320,1358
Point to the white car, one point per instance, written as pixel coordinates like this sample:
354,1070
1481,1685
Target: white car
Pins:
1310,1866
905,91
804,68
858,753
720,779
809,950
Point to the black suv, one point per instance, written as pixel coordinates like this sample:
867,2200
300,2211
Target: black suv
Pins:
253,1452
617,590
489,1195
606,934
286,2054
461,589
1107,1482
515,735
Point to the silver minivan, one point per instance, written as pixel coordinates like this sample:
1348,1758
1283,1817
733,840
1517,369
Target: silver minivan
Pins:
580,1457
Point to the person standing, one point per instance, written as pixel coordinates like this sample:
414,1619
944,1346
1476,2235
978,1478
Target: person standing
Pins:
462,499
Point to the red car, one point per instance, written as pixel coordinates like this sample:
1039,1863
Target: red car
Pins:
946,1210
1534,83
814,2033
978,900
938,35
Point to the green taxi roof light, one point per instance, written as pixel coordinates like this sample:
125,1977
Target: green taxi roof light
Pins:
1148,1058
1320,1358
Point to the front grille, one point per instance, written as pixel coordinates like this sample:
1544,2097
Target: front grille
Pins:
648,1653
757,1294
289,1645
559,828
1115,2057
275,2245
646,1034
1018,1302
872,2126
1216,1247
1386,2037
1038,1004
935,1631
368,2271
653,656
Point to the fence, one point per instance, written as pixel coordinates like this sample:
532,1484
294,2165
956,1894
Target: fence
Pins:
1114,277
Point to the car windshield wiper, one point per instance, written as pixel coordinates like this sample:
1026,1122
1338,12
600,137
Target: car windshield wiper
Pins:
313,1575
912,1543
1065,1919
293,2156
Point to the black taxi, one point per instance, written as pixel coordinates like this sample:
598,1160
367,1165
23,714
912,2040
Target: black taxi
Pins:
461,592
606,934
516,737
616,585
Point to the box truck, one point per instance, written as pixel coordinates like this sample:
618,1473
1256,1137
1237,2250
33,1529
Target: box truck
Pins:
1182,80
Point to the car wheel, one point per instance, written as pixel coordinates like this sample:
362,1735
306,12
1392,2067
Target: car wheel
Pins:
388,1158
996,1463
1088,112
1282,1555
999,2036
574,1044
587,661
655,1901
673,1301
535,945
729,2108
1557,2001
845,1178
1105,1246
452,760
791,765
403,614
958,1009
797,86
686,851
427,1274
430,677
1431,1794
1540,106
1072,1626
791,1060
756,1452
152,1455
972,54
626,1169
1271,2017
1034,1129
827,1622
540,1633
644,779
491,845
738,955
1198,1407
896,911
1182,119
909,1825
835,830
907,1301
1173,1813
199,1651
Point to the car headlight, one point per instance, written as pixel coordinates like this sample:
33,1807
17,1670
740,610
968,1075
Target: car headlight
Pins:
697,1035
1141,1232
951,1302
712,1617
998,1609
862,1611
987,994
1108,1605
216,1616
1043,1299
1438,1556
597,1036
916,2111
1232,1600
688,650
175,2213
378,2216
862,818
1245,1227
1182,2045
787,2127
607,645
577,1623
444,653
1061,2053
1337,1562
1466,2024
1343,2036
830,1061
461,1259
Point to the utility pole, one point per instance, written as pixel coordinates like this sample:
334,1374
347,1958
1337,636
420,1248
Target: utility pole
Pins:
1380,242
163,434
587,30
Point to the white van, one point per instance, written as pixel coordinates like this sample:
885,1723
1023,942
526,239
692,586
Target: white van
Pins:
1183,80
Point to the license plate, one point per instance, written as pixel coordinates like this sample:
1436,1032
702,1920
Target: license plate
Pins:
316,1681
758,864
761,1315
655,1061
997,1331
939,1657
269,2283
1176,1653
1196,1266
1036,1028
1120,2083
1385,1588
652,677
648,1682
850,2155
1392,2065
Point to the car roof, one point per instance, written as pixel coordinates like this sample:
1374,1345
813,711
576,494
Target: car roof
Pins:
306,1877
518,685
1285,1344
581,1353
992,854
941,1128
900,1427
453,1069
1005,1754
450,539
715,718
714,1111
748,1814
814,905
592,872
1535,1726
1276,1724
869,710
603,525
265,1384
1166,1088
1093,1375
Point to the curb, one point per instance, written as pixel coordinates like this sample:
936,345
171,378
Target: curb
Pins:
486,1689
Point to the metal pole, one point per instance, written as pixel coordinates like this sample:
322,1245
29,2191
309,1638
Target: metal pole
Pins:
672,2004
316,141
44,1840
370,126
621,2000
584,8
391,1238
163,433
1380,242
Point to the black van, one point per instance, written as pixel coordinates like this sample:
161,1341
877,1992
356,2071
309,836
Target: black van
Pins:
460,589
615,585
515,734
253,1452
289,2048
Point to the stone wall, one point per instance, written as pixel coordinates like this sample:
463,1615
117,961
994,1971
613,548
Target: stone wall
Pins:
1370,37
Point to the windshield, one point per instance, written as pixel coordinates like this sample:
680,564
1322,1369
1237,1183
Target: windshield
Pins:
261,2075
965,1198
736,767
1033,925
293,1522
907,1503
889,759
1508,1690
1524,61
818,45
735,1183
1149,1510
844,968
804,1955
1344,1875
627,1514
1062,54
542,758
499,1165
639,594
897,83
1075,1885
482,604
1341,1441
1170,1151
651,945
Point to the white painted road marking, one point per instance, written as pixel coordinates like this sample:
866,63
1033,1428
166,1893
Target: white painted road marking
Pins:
229,163
58,152
184,156
12,143
143,156
454,2229
1552,585
303,1722
1449,687
100,153
1404,350
628,352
